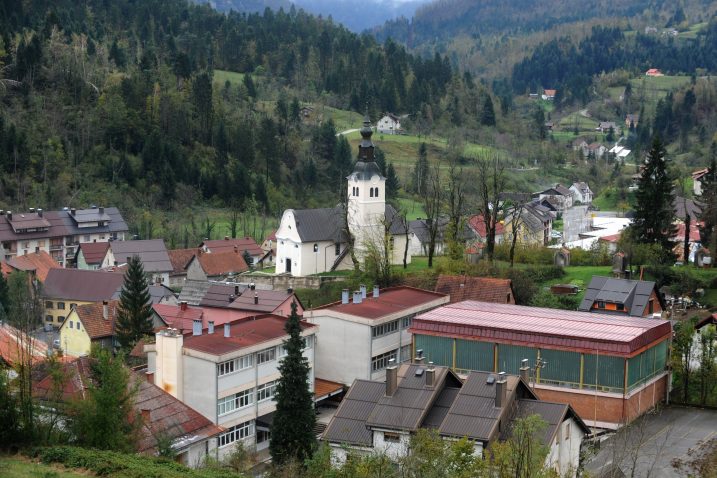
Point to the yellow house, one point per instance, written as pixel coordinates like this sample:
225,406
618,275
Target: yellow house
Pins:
86,325
67,289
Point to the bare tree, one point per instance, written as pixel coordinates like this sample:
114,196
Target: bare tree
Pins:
516,223
456,208
433,205
378,252
491,183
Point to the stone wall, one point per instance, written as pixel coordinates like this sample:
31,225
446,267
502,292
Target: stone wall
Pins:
278,282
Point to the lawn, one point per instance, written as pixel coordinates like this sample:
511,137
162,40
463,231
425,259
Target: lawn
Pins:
654,88
413,208
583,123
12,467
609,200
222,76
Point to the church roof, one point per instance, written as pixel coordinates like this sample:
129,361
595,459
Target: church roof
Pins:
329,224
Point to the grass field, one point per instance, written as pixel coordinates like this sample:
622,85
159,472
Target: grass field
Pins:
584,124
413,208
654,88
222,76
609,200
692,32
11,467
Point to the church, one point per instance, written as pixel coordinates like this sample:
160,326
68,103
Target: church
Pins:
312,241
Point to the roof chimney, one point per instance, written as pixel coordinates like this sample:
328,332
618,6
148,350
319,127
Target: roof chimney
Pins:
210,330
345,296
9,215
256,298
362,287
227,330
183,305
376,292
419,356
39,212
357,297
146,416
430,375
236,249
232,297
289,290
501,390
525,371
105,310
226,238
236,290
252,286
197,327
73,211
101,209
391,378
32,209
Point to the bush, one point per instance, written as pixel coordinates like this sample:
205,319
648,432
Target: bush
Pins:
545,298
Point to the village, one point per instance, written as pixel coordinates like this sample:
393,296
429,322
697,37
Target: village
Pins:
460,358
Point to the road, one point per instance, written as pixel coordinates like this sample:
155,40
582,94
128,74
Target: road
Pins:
653,442
576,220
348,131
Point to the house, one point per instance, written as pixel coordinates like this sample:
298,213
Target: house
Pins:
179,259
606,126
632,120
534,225
381,417
581,145
478,227
14,344
582,193
653,72
242,245
66,288
420,238
620,152
609,369
611,241
596,150
360,335
683,207
484,289
216,265
697,177
549,95
58,232
634,298
87,325
192,437
37,264
269,248
561,196
228,373
158,294
90,255
152,253
389,124
312,241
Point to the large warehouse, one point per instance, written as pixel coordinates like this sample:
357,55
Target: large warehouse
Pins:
609,369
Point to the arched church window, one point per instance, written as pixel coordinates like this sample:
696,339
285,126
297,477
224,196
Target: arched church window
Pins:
376,193
370,193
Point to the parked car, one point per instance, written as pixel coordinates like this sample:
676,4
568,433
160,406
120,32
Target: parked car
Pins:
56,343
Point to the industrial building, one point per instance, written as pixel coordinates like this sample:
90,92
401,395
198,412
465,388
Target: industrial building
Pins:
610,369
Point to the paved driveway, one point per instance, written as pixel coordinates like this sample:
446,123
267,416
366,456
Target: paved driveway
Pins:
652,443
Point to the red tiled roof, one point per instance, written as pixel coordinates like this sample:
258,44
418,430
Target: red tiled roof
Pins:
94,252
272,236
700,173
77,374
326,388
175,317
10,341
5,268
220,263
612,238
539,327
477,223
550,92
180,259
485,289
227,245
91,316
244,333
38,262
389,301
694,233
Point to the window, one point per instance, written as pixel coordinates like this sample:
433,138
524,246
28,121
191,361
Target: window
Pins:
234,365
337,248
391,437
405,353
600,305
48,304
238,432
70,324
308,342
266,391
383,329
357,191
376,193
61,305
651,307
87,238
370,192
48,318
235,402
61,318
316,248
266,355
406,322
283,351
566,434
380,362
619,306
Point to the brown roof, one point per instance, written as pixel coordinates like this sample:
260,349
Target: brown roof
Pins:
389,301
227,245
180,259
81,285
221,263
152,253
91,316
28,220
63,223
93,252
175,317
268,300
77,374
485,289
244,333
326,388
39,263
11,341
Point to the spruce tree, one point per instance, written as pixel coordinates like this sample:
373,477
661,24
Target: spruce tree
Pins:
654,210
392,182
420,171
134,314
292,436
488,114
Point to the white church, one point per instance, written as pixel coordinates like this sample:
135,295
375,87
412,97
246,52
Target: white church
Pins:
312,241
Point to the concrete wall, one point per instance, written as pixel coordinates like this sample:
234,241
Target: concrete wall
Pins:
195,271
342,350
393,450
278,282
564,454
74,341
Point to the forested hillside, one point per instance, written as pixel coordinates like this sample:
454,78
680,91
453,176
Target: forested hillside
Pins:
115,102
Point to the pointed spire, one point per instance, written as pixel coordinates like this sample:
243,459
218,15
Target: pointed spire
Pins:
366,147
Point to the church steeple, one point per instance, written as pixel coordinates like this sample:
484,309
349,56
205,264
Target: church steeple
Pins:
366,147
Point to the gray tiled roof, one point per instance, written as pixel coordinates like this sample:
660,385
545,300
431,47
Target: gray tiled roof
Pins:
634,294
420,228
193,291
62,224
349,423
81,285
152,253
329,224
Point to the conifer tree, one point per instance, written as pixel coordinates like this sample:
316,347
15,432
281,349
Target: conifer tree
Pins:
135,308
488,114
708,231
392,182
292,437
420,171
654,211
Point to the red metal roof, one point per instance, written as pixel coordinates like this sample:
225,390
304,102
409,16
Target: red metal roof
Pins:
244,333
539,327
389,301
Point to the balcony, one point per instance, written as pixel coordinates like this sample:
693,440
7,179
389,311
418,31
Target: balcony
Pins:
56,247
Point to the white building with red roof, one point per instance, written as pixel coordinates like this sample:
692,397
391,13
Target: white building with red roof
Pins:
360,334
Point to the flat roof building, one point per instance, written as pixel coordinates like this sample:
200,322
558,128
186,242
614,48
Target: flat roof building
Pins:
609,369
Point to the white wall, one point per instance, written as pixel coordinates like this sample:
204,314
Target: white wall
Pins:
564,455
200,385
342,350
394,450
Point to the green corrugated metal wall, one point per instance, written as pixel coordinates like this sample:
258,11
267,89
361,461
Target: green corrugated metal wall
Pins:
510,357
644,366
471,355
610,371
561,366
438,350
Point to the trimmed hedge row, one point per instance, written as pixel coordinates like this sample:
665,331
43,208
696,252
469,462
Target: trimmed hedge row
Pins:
120,465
